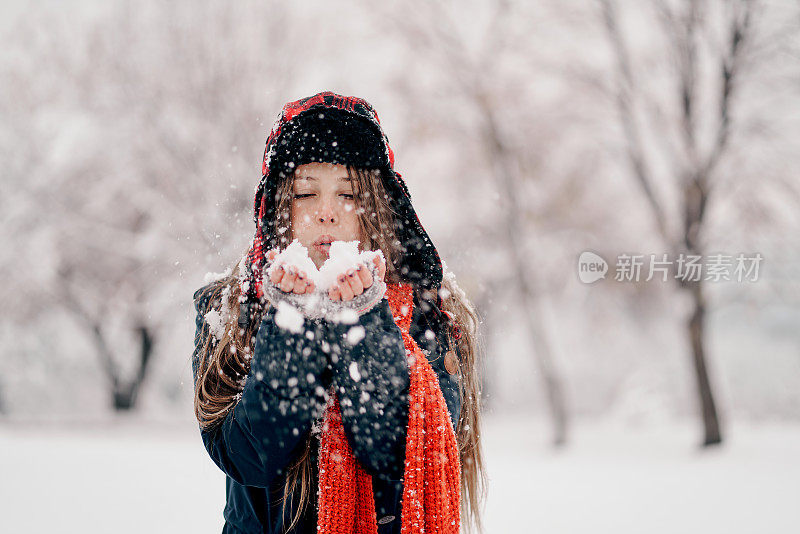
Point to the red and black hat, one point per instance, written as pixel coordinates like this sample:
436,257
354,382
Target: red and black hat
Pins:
332,128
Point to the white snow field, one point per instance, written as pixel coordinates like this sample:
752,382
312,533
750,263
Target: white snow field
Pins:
135,477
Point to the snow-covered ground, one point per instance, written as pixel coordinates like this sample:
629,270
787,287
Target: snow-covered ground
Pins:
134,477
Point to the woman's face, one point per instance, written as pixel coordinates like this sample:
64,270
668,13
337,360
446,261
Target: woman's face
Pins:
323,208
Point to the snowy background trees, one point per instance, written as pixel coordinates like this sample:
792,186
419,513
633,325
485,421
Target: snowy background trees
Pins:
528,132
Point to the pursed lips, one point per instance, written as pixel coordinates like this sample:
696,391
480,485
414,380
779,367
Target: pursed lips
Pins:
323,243
324,240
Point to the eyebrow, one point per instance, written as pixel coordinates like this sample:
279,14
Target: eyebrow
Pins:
341,178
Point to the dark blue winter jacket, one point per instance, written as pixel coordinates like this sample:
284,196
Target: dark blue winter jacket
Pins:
284,394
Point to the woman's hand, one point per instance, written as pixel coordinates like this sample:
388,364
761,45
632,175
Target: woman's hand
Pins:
355,281
289,278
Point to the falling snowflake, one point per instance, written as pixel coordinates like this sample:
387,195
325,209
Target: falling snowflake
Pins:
355,334
354,372
289,318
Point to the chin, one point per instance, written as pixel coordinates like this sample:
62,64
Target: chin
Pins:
317,259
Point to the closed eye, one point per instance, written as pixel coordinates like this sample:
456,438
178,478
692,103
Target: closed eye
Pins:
348,196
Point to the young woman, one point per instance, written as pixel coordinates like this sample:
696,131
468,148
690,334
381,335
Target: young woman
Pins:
357,422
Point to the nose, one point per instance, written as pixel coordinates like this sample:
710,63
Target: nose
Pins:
326,213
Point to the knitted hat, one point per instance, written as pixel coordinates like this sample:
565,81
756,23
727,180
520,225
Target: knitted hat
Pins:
328,135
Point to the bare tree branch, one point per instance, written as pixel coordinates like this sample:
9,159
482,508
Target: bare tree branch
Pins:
625,105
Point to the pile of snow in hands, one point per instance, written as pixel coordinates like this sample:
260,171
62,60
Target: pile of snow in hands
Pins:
344,255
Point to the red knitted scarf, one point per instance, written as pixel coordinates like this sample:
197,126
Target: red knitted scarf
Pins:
432,477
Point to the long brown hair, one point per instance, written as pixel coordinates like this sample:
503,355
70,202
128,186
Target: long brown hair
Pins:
223,364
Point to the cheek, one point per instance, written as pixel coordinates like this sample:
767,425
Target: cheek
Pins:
301,221
300,216
350,221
